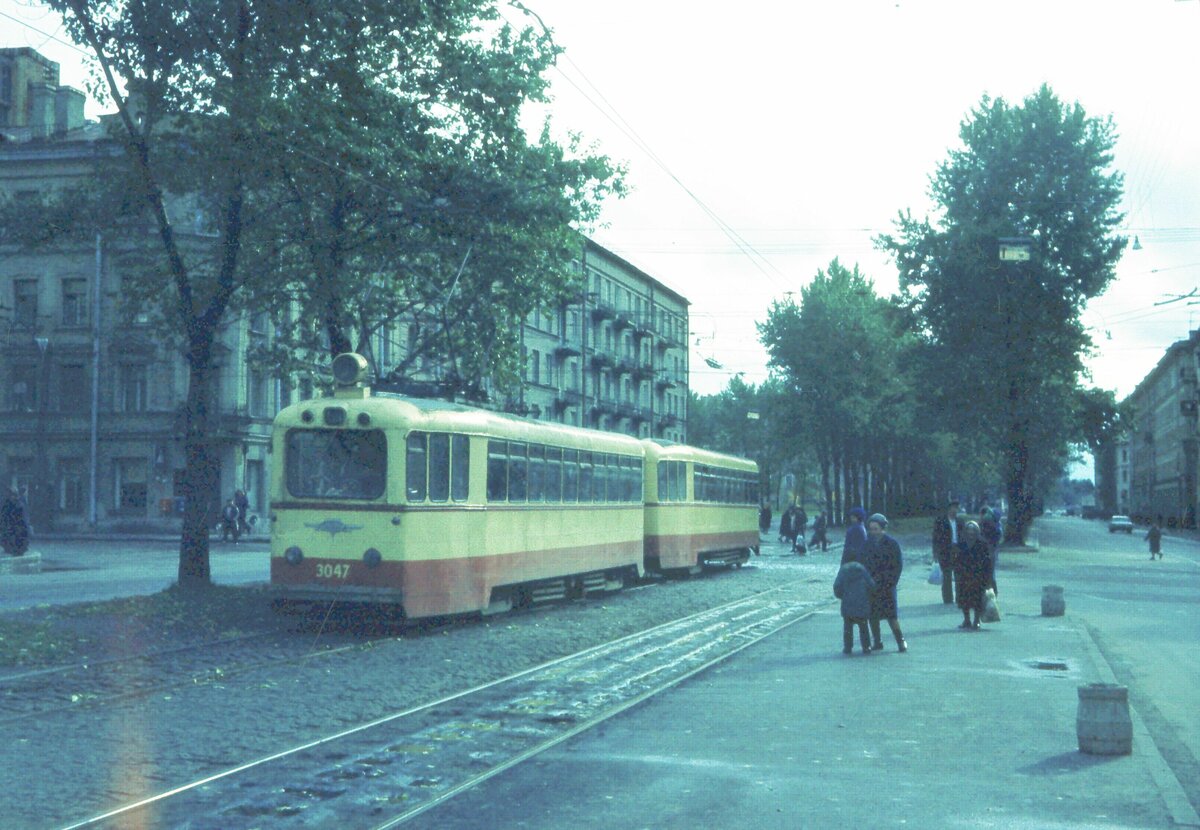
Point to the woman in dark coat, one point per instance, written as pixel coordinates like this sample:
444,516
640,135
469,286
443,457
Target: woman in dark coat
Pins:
884,561
856,536
973,572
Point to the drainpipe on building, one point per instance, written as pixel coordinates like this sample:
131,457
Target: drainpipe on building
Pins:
95,425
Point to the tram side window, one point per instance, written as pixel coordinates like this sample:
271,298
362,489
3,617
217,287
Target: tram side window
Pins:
570,476
460,467
497,475
585,476
679,482
439,467
553,481
537,477
517,471
664,481
636,475
416,466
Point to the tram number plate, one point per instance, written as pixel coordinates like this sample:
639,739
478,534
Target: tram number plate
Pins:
326,571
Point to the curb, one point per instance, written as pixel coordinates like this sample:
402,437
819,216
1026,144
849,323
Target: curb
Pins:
1176,801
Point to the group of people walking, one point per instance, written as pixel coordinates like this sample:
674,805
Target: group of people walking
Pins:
867,582
793,527
235,517
965,551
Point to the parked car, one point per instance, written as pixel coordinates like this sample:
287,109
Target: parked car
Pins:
1120,523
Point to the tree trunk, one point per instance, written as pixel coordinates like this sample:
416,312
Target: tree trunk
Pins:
1020,508
200,471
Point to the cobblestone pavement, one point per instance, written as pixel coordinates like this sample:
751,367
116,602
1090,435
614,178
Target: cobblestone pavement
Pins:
80,763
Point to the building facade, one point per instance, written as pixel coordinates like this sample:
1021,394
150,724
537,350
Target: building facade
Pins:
92,399
1155,466
616,359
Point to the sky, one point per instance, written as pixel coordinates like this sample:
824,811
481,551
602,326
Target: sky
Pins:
764,139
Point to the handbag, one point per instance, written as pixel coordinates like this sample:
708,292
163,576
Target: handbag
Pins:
935,574
991,611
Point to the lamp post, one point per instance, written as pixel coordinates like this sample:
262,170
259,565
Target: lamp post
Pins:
39,498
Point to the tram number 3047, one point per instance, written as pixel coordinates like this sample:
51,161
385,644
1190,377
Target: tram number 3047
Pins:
327,571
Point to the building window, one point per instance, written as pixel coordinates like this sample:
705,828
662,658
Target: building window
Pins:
132,387
74,302
22,387
129,487
25,303
256,392
535,367
70,486
73,388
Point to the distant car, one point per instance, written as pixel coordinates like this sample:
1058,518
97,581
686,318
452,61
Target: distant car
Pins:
1120,523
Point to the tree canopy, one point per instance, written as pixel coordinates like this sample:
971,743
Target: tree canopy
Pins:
337,164
1007,335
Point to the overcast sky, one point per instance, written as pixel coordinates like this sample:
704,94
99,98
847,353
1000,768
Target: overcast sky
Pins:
764,139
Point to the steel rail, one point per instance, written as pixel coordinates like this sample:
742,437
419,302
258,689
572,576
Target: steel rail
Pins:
587,653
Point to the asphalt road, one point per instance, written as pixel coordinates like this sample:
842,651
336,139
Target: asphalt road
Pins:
88,571
1143,616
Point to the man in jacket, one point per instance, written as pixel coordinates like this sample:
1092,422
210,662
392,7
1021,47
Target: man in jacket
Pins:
947,531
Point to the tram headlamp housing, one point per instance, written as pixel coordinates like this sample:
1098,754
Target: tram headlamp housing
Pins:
293,555
372,557
349,368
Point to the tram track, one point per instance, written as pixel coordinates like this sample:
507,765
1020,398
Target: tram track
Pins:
384,772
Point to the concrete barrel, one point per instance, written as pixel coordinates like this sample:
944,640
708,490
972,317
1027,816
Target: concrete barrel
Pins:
1102,722
1053,604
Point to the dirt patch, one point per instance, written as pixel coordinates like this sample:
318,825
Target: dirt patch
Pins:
48,636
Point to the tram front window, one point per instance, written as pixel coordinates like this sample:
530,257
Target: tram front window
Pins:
336,463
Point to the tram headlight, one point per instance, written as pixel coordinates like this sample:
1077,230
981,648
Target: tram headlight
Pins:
372,557
293,555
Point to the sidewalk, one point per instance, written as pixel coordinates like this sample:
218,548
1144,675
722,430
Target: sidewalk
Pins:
963,731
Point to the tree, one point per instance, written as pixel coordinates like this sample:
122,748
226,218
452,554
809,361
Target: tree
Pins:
837,351
234,115
1008,334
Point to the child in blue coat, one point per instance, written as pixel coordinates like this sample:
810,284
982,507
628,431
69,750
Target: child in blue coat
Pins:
853,587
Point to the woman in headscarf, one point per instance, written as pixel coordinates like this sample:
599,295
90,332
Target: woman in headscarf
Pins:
973,573
884,561
856,536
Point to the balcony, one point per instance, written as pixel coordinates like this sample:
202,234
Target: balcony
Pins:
665,382
566,349
567,398
622,320
625,366
643,372
643,328
667,421
603,311
600,360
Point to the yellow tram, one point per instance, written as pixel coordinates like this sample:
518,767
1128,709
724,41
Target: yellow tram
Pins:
446,509
701,508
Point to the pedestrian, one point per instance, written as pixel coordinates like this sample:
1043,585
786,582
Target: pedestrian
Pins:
856,536
1154,537
884,561
801,520
947,530
989,531
764,518
229,522
853,587
788,526
973,565
14,524
820,532
242,502
785,519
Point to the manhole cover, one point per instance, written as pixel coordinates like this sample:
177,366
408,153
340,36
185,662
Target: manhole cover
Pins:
1049,665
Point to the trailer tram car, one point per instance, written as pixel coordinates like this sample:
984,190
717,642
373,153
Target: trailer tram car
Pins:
444,509
701,508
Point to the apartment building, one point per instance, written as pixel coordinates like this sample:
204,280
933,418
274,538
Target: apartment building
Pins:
1154,467
616,359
